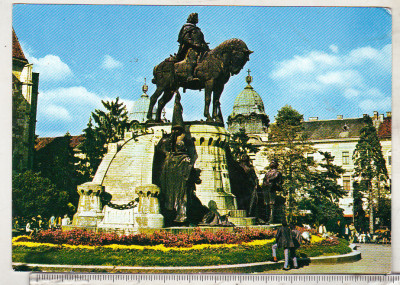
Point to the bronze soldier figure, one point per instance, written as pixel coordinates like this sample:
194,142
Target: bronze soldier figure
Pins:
192,45
272,183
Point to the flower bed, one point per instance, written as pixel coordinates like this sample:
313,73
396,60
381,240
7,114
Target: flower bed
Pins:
83,237
200,248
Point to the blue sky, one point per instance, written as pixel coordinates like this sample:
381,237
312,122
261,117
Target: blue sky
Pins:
323,61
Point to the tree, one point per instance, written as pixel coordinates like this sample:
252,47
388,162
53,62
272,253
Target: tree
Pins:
34,195
370,167
324,192
324,183
93,149
290,147
58,163
239,144
112,124
360,221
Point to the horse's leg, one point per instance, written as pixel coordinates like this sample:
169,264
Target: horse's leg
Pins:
216,104
167,96
153,100
207,100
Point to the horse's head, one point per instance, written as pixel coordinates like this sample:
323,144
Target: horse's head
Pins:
238,54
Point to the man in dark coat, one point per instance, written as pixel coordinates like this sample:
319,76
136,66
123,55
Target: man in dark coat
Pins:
285,239
191,43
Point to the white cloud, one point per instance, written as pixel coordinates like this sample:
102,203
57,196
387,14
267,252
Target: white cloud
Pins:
369,105
341,78
306,64
362,75
351,93
51,67
110,63
334,48
65,109
57,113
76,95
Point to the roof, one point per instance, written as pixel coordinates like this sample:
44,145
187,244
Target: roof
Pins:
140,107
385,128
17,51
44,142
248,101
333,129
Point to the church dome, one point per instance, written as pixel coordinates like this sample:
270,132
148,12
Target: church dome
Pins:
140,107
248,101
248,112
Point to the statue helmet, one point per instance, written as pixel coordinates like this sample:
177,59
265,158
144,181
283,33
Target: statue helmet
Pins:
193,18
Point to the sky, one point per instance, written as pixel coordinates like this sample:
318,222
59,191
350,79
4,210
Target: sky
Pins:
323,61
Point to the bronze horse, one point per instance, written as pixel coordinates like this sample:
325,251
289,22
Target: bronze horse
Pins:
213,71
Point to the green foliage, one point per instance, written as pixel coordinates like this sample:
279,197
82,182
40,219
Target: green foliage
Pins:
239,144
34,195
384,212
323,211
290,148
360,221
110,126
93,150
370,167
58,163
324,183
112,123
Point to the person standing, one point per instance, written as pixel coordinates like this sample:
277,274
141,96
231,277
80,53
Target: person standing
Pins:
284,239
52,223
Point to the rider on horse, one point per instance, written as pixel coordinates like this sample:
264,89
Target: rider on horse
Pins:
192,44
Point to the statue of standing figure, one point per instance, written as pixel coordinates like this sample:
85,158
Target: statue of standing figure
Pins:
178,174
272,183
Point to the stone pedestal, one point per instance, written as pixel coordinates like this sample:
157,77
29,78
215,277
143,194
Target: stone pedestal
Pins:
89,212
126,173
210,142
149,215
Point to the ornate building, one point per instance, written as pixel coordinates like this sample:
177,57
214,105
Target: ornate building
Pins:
24,106
338,136
248,113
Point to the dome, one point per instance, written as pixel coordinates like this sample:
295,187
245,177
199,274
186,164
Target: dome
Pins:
248,101
141,106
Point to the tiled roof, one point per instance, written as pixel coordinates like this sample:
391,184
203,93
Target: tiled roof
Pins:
333,129
385,128
17,51
43,142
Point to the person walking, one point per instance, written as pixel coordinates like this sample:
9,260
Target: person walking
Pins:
284,239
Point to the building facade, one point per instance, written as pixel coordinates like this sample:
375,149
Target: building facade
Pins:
338,136
24,107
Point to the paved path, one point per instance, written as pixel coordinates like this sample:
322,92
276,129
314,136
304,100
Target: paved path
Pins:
375,259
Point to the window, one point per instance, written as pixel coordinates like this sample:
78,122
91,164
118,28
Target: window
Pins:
346,183
345,158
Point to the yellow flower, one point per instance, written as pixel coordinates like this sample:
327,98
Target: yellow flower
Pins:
159,247
315,239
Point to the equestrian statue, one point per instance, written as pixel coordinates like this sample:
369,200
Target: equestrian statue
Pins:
195,67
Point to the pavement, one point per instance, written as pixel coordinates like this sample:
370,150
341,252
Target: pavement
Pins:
375,259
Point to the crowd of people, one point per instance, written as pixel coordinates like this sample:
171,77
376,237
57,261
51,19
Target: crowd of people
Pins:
33,225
